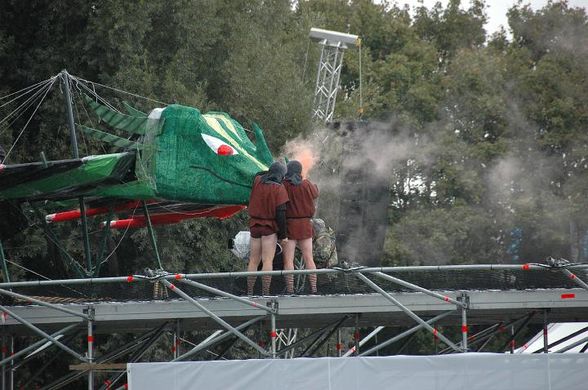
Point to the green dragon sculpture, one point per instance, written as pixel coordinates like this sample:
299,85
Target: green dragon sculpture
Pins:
179,156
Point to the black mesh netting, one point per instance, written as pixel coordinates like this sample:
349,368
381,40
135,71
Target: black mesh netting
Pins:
335,283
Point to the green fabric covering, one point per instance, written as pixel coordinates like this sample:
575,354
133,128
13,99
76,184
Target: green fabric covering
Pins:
187,169
128,123
182,156
264,152
138,190
94,171
176,163
132,110
110,138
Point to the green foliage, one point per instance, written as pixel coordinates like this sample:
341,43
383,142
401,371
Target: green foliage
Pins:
507,139
456,235
494,127
487,117
451,28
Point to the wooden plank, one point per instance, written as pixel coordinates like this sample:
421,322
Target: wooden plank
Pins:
98,366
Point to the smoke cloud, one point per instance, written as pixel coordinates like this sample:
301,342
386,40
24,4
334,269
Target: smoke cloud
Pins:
353,166
516,189
500,197
303,151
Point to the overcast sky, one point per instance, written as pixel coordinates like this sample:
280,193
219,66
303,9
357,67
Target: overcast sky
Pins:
495,9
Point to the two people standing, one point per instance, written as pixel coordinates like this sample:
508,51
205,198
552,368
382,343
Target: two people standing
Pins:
281,206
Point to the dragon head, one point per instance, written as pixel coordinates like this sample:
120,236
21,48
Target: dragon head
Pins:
207,157
185,155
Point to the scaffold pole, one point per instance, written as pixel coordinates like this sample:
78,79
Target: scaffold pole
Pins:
405,333
43,334
464,321
545,339
177,339
575,278
323,337
573,345
74,145
407,311
322,271
364,340
90,348
11,372
216,318
33,346
563,339
221,337
151,234
42,303
356,336
4,350
414,287
222,293
273,334
5,273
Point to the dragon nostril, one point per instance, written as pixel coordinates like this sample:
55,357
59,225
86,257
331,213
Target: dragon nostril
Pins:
225,150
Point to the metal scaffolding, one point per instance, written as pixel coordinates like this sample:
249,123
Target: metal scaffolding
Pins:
388,300
333,46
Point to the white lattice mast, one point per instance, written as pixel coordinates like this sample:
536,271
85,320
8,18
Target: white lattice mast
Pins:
333,45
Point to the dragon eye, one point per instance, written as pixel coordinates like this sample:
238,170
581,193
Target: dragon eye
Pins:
219,147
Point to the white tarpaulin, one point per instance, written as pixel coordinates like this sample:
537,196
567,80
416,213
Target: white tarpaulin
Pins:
469,371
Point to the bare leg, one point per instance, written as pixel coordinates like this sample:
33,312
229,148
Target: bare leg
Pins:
254,260
288,255
268,250
306,249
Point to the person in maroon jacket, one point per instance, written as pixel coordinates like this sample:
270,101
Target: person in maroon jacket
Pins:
267,222
299,211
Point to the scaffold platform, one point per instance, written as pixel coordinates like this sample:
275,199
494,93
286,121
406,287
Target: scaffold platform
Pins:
490,297
485,307
126,304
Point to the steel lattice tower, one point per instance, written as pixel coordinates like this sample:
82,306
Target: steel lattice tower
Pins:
333,45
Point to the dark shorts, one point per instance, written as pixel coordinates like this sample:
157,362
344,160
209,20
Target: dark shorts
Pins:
258,231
